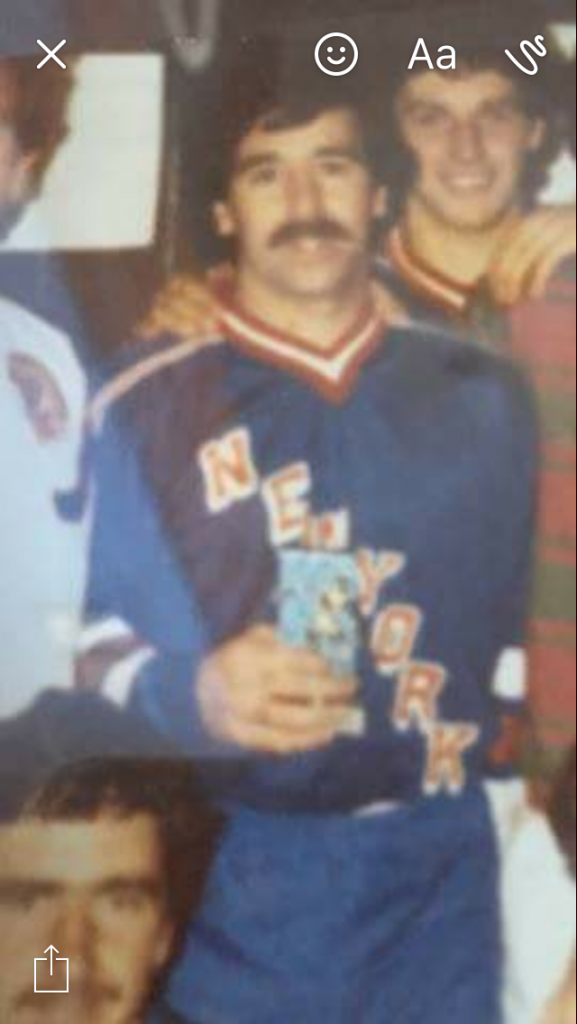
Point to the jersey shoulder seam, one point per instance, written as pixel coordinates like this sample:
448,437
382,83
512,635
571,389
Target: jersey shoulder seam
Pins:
143,370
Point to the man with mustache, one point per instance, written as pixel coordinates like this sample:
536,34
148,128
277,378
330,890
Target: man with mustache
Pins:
103,859
473,251
305,448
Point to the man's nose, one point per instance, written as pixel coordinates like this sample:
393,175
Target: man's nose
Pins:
304,196
467,143
76,937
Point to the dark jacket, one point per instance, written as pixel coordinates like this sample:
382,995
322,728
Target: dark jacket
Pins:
164,1015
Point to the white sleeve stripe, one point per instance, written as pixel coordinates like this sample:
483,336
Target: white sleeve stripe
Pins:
120,680
510,680
102,632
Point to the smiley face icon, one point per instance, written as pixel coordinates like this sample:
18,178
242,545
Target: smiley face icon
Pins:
337,54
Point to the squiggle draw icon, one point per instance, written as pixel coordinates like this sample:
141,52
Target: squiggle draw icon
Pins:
537,47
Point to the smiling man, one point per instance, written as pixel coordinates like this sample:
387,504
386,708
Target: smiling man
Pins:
330,581
474,250
470,153
471,138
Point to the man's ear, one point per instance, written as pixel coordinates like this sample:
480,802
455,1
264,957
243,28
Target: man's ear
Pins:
22,179
538,135
164,947
224,220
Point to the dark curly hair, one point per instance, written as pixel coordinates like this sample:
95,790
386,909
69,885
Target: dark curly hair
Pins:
481,46
122,788
76,758
278,87
36,105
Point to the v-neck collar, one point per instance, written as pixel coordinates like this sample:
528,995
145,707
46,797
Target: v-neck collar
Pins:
332,372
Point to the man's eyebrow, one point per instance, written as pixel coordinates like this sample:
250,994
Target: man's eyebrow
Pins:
503,103
267,159
355,153
144,886
246,164
17,888
422,105
414,105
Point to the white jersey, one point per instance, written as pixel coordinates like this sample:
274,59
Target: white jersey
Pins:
540,920
42,557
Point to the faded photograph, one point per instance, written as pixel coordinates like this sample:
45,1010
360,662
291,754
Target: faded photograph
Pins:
287,536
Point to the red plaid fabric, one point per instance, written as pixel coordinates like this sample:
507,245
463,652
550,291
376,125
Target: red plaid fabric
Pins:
543,340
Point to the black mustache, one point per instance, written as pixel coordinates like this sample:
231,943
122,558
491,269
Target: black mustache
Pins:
311,230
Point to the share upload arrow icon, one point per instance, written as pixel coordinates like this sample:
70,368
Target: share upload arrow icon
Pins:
52,959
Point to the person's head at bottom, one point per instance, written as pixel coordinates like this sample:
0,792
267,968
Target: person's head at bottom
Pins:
105,863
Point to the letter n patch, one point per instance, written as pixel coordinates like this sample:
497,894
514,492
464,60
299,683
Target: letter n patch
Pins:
229,471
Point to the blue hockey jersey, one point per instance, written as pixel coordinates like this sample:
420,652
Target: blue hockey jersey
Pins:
409,452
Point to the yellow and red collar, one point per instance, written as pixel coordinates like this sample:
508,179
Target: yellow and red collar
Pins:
428,283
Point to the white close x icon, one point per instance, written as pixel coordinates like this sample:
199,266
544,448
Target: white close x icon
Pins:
51,53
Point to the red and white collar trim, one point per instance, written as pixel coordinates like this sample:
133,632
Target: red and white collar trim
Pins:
423,279
333,373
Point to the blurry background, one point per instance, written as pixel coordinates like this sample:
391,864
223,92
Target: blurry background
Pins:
102,191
